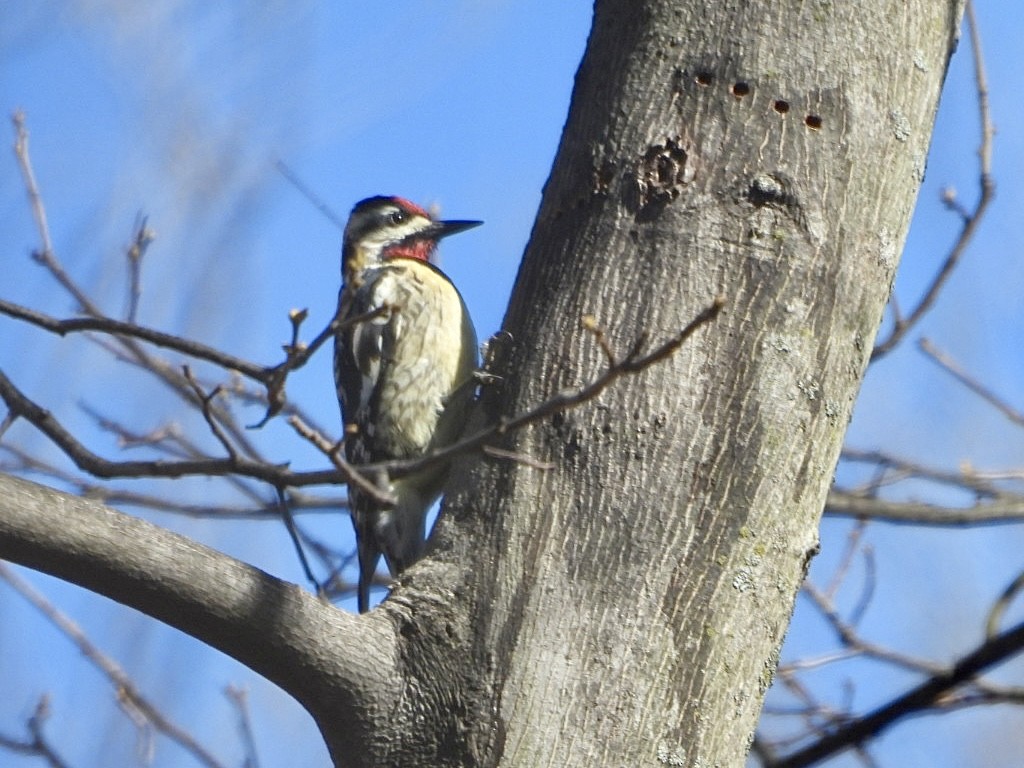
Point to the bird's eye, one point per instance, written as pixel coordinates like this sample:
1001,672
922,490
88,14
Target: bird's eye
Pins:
397,217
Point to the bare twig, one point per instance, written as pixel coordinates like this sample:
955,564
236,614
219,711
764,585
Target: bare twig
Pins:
234,385
37,744
998,609
170,440
849,638
333,450
951,367
307,193
298,354
817,716
127,693
45,256
902,325
206,398
169,374
846,560
977,482
271,377
852,549
29,176
280,476
293,533
98,466
140,242
868,592
589,323
109,325
920,698
987,129
23,462
969,479
994,503
163,438
239,697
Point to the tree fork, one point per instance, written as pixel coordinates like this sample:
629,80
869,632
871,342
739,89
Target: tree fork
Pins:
627,607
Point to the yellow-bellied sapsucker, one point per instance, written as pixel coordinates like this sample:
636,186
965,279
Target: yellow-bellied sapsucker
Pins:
405,374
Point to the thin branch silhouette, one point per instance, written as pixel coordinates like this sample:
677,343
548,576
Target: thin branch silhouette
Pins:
128,695
922,697
971,220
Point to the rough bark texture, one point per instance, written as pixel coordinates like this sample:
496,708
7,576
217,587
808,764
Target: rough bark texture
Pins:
626,608
334,663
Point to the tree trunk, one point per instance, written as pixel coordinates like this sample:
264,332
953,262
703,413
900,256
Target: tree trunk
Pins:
625,608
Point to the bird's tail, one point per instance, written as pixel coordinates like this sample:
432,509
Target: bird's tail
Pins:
397,532
364,519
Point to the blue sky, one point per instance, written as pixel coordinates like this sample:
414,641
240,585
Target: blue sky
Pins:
182,109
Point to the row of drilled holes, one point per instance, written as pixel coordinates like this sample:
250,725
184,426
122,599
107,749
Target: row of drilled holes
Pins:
740,89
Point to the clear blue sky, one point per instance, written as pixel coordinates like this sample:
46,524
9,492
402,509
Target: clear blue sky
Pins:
182,109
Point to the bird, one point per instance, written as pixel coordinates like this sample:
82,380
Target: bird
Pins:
405,356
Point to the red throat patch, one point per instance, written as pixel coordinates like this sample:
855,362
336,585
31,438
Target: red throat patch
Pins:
421,250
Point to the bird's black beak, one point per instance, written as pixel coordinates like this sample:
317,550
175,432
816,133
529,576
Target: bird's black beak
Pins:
445,228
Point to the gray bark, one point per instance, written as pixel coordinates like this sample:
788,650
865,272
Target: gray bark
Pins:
629,606
626,608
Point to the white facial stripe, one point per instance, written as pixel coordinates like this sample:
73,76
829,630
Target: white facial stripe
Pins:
396,233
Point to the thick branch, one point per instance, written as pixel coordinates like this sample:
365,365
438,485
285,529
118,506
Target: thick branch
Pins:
280,631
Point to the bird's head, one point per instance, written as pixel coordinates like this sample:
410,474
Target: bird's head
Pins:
384,228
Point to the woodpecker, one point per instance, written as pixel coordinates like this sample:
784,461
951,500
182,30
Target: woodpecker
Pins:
404,375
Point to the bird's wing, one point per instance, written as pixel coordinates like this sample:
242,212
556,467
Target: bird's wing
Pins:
357,355
357,367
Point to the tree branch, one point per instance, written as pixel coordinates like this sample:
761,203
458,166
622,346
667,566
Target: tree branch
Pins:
918,699
109,325
275,628
968,479
239,697
127,694
950,366
140,242
280,476
37,744
565,400
994,499
1007,508
22,463
972,219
